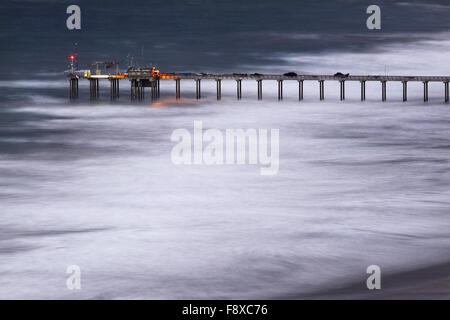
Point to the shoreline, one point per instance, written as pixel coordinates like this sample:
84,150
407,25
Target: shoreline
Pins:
424,283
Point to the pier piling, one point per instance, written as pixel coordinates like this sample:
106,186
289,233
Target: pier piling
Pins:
405,90
177,89
219,88
73,91
363,90
383,90
446,91
280,89
300,90
259,84
114,88
197,89
425,91
239,89
94,89
342,85
133,89
321,89
158,91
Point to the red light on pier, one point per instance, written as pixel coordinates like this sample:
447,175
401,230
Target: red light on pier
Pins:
72,57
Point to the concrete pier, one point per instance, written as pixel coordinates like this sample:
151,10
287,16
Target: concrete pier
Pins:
342,86
219,89
259,84
363,90
137,90
141,77
321,89
154,90
73,88
197,89
383,90
425,91
114,88
177,89
239,89
300,89
446,91
132,90
94,89
405,90
280,89
158,91
141,91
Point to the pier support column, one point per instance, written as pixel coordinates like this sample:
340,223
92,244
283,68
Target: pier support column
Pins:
405,90
259,84
111,89
321,89
158,91
138,90
133,90
114,88
73,91
425,91
154,89
94,90
141,91
342,85
239,89
197,89
219,88
280,89
363,90
446,91
177,89
383,90
300,89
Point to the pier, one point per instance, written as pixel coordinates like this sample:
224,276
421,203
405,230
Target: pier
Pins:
141,78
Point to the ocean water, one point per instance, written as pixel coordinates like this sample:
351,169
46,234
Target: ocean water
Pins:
359,184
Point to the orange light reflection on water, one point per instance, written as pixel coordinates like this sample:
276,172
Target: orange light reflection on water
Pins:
169,102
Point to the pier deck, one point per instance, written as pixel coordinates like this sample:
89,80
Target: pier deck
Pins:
141,77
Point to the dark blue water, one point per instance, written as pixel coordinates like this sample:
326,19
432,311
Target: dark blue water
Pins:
202,35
